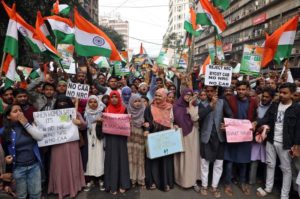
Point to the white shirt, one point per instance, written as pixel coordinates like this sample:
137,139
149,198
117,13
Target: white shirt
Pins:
278,130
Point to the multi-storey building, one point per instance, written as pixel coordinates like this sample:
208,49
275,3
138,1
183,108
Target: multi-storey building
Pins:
178,10
91,7
247,22
119,25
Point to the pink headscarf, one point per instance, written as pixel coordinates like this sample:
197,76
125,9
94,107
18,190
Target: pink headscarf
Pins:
161,111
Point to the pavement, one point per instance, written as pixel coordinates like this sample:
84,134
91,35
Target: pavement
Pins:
176,193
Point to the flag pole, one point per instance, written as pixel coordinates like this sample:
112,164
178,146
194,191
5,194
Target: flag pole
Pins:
2,62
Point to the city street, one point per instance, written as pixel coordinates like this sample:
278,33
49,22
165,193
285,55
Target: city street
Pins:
176,193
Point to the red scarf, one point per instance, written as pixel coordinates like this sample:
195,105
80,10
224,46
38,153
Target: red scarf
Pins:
118,108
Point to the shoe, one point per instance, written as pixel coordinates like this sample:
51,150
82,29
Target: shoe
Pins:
228,190
215,192
245,189
101,185
89,186
196,188
203,191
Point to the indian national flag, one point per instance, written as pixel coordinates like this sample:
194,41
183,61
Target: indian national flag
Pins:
39,25
9,68
215,17
91,41
62,29
101,61
203,67
190,24
222,4
61,9
279,45
29,33
11,38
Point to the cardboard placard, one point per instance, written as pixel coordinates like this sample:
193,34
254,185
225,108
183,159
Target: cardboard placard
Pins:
238,130
216,75
116,124
80,91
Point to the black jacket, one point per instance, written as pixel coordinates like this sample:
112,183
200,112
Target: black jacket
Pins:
291,124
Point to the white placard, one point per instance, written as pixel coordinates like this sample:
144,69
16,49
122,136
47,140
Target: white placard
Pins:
217,75
57,126
80,91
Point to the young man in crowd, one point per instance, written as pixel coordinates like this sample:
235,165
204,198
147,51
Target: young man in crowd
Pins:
283,123
243,107
212,139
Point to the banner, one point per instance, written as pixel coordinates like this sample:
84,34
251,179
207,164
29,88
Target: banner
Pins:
216,75
56,126
66,52
238,130
251,60
212,50
80,91
116,124
164,143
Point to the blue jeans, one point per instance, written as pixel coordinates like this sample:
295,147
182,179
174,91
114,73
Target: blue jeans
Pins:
242,167
28,181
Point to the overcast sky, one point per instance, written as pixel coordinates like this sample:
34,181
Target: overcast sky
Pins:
148,24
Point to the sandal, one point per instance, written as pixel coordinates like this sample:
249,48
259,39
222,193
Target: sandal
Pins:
153,187
245,189
215,192
122,190
228,190
203,191
261,192
167,188
113,193
196,188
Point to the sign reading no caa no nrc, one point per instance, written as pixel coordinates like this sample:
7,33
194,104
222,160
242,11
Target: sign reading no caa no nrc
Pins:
217,75
80,91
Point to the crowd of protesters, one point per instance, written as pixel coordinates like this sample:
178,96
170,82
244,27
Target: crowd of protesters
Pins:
115,163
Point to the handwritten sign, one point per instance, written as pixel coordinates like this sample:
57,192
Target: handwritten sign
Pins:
238,130
217,75
164,143
80,91
116,124
57,126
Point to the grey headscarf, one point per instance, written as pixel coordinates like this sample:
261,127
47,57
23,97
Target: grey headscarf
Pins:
137,113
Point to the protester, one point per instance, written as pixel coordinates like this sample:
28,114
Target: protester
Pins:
242,107
126,94
159,117
171,97
212,139
20,140
186,117
283,123
136,141
66,170
95,142
116,165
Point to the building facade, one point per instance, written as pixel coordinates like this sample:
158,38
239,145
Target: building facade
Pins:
178,10
119,25
247,22
91,7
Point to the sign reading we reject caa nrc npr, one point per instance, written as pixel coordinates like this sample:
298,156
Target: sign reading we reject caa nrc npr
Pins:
217,75
80,91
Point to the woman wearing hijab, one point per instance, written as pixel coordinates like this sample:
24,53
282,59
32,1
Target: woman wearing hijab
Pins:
116,166
66,170
95,163
126,94
159,117
136,141
187,164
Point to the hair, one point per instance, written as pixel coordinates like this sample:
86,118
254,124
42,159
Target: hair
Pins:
145,98
19,91
269,90
48,84
101,74
159,79
134,86
172,85
3,90
242,83
214,87
291,86
7,124
113,77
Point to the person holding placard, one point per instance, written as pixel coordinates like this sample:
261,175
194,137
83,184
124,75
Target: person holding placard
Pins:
186,117
159,117
116,165
95,142
212,139
243,107
282,122
136,141
66,175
